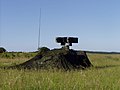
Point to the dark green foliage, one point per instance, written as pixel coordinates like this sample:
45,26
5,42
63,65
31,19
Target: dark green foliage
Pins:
2,50
43,49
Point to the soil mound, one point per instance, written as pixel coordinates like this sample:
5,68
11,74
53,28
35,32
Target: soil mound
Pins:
57,59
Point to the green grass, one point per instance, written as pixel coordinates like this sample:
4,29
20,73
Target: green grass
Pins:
105,75
14,58
16,55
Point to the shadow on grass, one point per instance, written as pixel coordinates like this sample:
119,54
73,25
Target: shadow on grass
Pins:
106,66
95,67
3,67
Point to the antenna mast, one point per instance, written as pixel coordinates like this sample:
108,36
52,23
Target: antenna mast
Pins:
39,29
0,37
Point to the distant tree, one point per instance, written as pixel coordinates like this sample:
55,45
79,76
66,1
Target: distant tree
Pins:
2,50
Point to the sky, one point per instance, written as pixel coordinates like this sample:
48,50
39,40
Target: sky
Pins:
95,22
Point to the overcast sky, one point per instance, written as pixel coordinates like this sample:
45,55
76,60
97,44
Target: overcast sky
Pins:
95,22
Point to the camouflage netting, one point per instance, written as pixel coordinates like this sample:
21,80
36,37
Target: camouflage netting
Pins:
57,59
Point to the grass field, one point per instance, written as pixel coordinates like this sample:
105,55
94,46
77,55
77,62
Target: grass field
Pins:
105,75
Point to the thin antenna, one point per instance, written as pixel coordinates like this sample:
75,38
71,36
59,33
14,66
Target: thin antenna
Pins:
0,32
0,37
39,29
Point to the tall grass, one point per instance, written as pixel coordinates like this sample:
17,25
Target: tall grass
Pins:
14,58
105,75
14,55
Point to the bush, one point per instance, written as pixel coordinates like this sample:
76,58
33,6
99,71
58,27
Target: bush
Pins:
2,50
43,49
